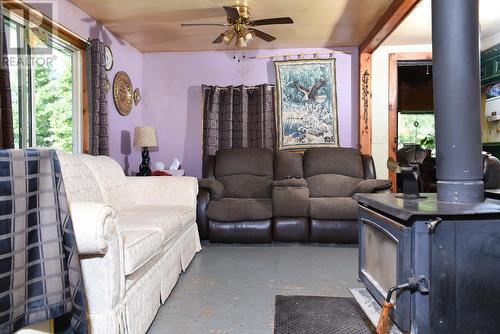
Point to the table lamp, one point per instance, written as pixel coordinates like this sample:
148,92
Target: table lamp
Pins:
145,137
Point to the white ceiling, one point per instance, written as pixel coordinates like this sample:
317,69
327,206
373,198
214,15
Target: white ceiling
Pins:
154,25
417,27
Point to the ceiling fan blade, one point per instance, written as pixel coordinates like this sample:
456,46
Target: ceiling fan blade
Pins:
232,13
276,20
219,39
203,24
263,35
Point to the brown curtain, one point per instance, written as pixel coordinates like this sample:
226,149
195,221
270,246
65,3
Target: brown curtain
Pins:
238,117
98,104
6,126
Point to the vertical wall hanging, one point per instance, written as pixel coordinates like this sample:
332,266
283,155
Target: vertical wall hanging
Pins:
98,104
306,104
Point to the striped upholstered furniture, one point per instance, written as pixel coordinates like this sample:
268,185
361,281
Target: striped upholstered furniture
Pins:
134,235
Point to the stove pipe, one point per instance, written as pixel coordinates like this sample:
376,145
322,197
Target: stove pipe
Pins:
457,96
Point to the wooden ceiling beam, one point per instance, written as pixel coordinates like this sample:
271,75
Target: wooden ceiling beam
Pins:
397,11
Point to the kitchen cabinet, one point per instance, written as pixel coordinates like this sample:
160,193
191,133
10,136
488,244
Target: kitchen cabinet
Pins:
490,65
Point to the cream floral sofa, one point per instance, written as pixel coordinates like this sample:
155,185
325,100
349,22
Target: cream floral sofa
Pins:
134,234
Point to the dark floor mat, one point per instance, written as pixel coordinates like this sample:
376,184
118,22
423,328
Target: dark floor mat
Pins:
319,315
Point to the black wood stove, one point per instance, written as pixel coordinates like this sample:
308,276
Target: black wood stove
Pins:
451,251
441,254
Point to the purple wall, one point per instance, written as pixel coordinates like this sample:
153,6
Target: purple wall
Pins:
126,58
172,95
171,82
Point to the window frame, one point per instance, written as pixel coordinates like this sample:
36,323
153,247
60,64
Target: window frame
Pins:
21,11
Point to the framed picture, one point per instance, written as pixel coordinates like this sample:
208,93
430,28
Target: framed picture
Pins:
306,104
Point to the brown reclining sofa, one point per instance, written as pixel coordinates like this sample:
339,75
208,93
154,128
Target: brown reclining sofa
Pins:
257,196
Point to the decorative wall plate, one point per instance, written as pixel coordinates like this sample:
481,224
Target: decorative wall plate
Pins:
123,93
108,57
137,96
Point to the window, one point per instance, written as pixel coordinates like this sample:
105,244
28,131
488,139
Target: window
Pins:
46,87
416,128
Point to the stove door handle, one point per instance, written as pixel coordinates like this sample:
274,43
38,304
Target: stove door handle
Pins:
432,224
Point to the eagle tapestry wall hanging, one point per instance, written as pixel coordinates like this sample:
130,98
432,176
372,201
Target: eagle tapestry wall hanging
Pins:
306,104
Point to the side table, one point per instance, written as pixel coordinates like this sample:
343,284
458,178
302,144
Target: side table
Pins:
179,172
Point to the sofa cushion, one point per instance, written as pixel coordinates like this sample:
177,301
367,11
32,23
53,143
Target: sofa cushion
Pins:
343,161
235,209
186,214
290,201
79,181
139,246
293,182
287,164
246,186
161,219
111,180
253,161
371,186
332,185
333,208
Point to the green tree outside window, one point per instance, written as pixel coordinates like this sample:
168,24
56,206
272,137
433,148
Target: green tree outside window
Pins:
54,115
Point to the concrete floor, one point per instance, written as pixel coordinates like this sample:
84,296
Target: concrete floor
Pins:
231,288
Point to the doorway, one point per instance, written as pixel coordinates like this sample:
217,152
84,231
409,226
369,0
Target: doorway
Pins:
411,111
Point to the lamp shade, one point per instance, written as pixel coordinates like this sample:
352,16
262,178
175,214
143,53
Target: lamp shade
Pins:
145,136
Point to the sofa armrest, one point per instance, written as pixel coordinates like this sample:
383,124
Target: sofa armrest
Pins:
94,224
216,188
208,166
163,190
368,166
292,182
372,186
201,212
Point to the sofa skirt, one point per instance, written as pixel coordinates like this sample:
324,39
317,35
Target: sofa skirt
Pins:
149,286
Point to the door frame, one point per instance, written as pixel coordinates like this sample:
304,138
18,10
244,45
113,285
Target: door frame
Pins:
393,101
397,11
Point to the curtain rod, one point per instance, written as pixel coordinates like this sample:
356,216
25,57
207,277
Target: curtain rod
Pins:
237,87
302,54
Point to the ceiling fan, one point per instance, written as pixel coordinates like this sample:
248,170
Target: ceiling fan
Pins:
241,26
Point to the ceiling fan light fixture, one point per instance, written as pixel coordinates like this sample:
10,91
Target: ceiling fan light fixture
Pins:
241,42
241,28
228,36
248,35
